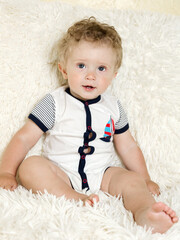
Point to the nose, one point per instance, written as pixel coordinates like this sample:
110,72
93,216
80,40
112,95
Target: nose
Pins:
90,75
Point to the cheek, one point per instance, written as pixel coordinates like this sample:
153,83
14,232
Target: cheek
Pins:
105,84
74,79
107,80
72,75
75,75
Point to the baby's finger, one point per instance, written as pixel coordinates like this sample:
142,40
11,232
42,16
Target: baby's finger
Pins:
13,187
7,187
88,202
156,191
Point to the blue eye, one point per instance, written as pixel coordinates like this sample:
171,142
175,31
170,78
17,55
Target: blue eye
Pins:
81,65
101,68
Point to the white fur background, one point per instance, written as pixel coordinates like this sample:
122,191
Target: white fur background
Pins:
149,88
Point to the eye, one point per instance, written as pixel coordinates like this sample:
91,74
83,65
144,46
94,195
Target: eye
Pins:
81,65
102,68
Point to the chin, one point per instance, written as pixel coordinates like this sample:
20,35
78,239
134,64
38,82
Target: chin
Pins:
89,97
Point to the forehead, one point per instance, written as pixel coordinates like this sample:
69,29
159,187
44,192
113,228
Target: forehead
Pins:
92,50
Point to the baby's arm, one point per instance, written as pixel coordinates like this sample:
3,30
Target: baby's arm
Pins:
15,153
132,158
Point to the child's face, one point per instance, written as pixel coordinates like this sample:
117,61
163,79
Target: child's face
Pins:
90,69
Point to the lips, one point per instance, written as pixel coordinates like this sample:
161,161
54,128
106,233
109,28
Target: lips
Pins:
88,87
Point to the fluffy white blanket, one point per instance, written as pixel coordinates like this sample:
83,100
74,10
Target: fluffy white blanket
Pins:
148,86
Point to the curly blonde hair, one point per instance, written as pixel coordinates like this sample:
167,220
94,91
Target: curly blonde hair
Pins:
90,30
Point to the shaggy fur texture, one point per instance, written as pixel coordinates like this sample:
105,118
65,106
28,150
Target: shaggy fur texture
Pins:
148,86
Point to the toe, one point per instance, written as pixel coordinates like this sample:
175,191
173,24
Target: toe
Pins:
173,214
168,210
159,207
175,219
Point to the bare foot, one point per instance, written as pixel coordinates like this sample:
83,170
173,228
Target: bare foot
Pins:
90,199
159,216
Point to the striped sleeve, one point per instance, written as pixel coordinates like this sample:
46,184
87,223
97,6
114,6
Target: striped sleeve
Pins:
43,114
122,123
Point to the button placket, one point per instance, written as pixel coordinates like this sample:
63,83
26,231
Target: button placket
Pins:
89,136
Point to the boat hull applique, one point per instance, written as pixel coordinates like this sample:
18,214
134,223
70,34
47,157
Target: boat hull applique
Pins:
108,131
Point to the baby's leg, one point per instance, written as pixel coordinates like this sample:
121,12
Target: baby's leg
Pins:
138,199
38,173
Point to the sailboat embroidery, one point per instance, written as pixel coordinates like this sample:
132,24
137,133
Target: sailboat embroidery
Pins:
109,130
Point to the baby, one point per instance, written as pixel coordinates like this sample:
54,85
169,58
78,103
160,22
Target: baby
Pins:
83,126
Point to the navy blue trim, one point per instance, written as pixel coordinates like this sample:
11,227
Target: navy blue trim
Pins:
71,183
88,117
122,130
106,139
81,166
38,122
87,139
89,136
81,150
106,169
91,101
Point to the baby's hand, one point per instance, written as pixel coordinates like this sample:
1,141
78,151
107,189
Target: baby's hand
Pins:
90,199
153,187
8,181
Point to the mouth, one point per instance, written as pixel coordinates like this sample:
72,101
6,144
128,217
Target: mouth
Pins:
88,87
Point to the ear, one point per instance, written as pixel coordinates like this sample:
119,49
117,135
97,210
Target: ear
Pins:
63,71
115,74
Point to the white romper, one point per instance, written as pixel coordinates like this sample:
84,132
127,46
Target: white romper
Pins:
73,125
